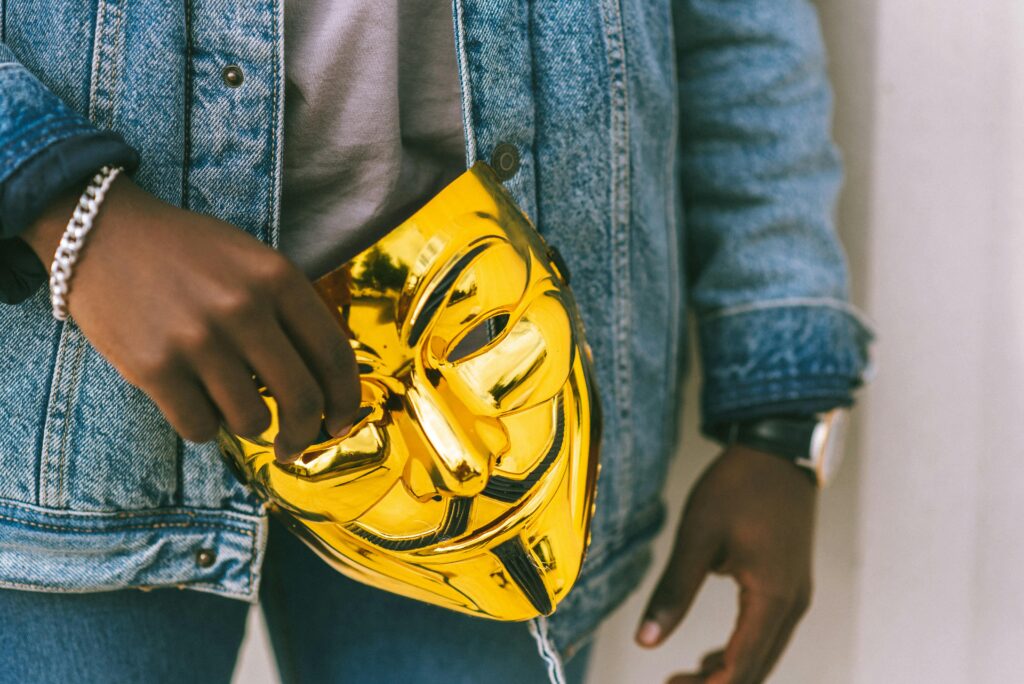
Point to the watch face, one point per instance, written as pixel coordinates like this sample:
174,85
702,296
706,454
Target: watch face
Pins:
828,444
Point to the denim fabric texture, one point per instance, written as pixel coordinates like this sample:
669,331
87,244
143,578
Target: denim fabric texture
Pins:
171,637
675,152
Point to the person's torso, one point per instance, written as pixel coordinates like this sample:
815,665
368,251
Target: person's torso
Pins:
372,122
97,491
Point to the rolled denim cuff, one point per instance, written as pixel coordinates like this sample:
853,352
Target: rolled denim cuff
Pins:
32,118
764,356
60,167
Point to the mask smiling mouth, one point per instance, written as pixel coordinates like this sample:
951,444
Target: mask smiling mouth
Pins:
454,524
455,521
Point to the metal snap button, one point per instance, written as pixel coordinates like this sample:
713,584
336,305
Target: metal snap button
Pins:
205,558
505,160
232,75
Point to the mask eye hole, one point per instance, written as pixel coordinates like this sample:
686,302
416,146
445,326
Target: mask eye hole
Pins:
481,335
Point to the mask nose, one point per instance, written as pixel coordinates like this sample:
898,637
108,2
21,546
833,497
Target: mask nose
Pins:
460,463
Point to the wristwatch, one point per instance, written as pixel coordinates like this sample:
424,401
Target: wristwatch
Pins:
813,442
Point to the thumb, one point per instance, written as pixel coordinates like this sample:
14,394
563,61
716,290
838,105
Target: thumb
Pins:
693,556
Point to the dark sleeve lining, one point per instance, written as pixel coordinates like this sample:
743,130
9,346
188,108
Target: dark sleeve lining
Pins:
61,167
21,272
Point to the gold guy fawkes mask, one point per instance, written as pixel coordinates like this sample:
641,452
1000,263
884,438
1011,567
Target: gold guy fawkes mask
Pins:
469,479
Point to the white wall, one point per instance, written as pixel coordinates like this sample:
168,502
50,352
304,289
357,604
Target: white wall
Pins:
921,539
940,591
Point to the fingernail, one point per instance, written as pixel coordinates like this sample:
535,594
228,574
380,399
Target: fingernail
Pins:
649,633
343,432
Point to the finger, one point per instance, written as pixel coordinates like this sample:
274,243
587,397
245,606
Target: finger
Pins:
758,625
180,397
229,383
712,661
326,350
781,641
300,403
692,558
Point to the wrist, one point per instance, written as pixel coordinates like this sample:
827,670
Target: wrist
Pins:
44,234
767,469
75,237
813,442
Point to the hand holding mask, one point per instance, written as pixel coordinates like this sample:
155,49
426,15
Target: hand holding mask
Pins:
469,480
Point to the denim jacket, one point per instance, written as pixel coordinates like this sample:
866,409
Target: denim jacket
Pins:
676,152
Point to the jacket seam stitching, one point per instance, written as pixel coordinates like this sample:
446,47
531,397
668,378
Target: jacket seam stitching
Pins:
42,495
97,57
71,120
767,388
219,588
193,513
54,130
615,55
272,236
106,65
72,392
792,302
122,528
186,114
465,83
46,459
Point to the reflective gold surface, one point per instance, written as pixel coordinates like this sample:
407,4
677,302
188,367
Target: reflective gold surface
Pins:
469,481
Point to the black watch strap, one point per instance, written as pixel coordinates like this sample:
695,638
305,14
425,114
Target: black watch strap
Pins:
787,436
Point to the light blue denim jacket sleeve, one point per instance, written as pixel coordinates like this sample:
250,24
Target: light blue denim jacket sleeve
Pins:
31,117
760,174
46,149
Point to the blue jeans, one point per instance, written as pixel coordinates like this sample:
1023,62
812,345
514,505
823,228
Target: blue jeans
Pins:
323,627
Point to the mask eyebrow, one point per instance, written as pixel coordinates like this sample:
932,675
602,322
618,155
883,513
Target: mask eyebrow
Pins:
508,490
456,520
440,293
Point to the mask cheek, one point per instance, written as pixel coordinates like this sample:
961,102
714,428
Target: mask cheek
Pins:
529,364
359,472
344,477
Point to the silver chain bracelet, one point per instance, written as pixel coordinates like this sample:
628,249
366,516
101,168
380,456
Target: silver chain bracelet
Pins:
71,242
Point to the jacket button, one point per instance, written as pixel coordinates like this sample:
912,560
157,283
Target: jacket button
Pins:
232,75
205,558
505,160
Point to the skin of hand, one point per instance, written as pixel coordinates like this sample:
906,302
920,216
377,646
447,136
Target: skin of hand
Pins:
189,308
750,516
